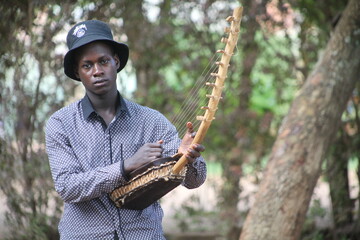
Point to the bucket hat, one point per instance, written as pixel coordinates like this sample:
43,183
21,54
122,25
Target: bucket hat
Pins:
86,32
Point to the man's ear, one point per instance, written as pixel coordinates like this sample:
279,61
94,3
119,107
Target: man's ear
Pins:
76,72
117,61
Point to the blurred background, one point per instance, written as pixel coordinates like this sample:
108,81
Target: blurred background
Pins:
171,43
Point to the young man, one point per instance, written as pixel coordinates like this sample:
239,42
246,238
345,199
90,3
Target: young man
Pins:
93,143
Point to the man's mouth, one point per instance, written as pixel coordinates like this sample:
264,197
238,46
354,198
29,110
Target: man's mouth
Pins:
100,81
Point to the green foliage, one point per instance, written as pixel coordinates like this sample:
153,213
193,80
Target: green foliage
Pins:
33,210
171,49
272,76
29,93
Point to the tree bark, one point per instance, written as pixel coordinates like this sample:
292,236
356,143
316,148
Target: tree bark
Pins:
294,166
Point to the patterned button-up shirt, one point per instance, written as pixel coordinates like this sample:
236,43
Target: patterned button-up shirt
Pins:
86,159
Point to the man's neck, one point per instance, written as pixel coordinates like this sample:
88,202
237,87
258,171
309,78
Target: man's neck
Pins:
103,102
105,105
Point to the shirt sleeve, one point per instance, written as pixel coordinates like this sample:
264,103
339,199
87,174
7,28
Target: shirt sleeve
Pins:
196,174
72,183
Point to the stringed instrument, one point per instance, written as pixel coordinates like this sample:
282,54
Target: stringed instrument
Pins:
155,179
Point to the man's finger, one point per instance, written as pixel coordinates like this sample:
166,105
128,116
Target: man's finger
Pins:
190,127
156,150
198,147
193,153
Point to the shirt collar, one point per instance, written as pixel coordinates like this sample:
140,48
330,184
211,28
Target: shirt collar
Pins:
88,108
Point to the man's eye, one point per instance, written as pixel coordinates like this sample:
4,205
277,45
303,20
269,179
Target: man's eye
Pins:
104,61
86,66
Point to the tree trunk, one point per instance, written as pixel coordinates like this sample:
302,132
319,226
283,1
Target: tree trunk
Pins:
304,138
337,172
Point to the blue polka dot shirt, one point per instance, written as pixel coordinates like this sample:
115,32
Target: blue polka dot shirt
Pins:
86,160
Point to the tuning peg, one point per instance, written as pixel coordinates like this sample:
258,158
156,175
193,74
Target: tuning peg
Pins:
229,18
221,64
224,40
209,109
212,96
202,118
223,52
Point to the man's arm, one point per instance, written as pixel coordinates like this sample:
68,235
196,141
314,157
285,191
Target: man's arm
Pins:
147,153
71,181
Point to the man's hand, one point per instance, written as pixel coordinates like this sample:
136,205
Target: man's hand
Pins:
147,153
191,151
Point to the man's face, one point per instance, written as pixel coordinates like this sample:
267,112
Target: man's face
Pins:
97,67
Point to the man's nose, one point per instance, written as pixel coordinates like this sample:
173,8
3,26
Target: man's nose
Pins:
98,69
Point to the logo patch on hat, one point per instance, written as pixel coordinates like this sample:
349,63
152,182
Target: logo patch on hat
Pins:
80,30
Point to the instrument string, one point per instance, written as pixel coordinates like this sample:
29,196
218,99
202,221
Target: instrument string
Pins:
192,98
195,99
192,101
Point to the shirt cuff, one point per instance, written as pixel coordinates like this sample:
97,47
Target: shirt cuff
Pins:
115,174
122,171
